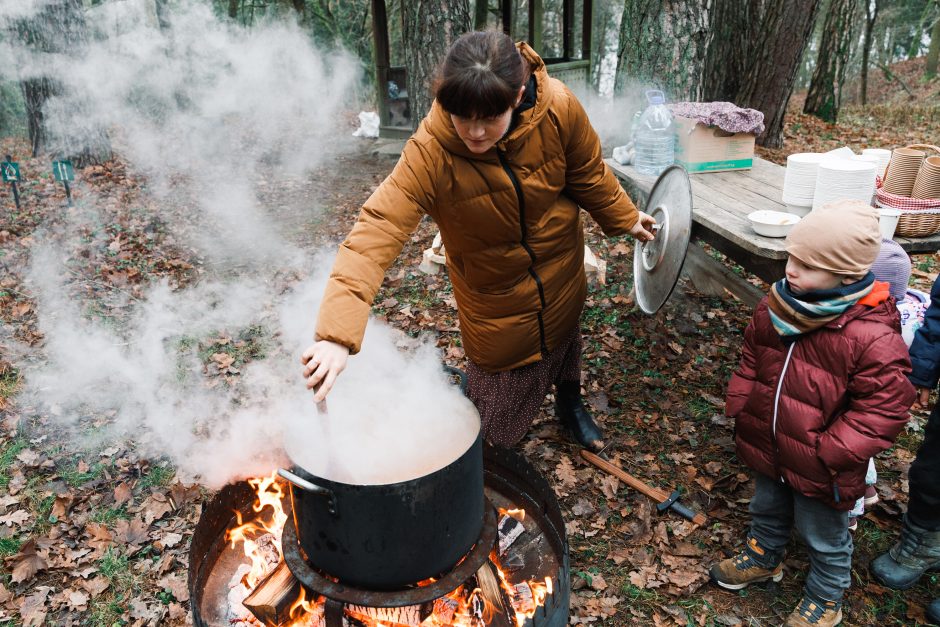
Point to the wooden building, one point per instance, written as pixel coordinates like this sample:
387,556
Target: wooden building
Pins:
563,39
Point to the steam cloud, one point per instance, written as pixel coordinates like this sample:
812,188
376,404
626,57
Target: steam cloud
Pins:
201,108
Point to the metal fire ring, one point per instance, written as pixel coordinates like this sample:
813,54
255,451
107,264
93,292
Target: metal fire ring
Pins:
315,582
657,264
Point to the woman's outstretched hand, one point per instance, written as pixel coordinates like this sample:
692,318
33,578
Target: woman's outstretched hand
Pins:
643,229
322,364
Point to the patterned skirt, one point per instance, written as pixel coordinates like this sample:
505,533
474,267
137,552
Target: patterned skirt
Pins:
509,401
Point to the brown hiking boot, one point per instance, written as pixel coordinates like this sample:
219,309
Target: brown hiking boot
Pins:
737,572
818,614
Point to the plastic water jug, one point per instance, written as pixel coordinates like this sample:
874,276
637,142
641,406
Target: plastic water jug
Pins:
654,139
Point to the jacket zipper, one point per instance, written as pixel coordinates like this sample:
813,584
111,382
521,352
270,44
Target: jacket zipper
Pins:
783,372
525,245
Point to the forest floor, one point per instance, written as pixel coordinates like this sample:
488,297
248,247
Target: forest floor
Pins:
100,537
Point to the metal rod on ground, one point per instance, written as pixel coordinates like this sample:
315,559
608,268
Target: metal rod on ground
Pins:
663,499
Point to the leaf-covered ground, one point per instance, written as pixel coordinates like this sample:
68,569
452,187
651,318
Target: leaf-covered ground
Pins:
100,537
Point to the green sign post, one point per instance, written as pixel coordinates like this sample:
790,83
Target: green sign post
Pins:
64,172
10,171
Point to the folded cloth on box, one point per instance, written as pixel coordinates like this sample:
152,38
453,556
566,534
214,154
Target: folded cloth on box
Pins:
725,115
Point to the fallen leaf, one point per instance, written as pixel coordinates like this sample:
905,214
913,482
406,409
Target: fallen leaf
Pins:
61,506
565,472
133,532
31,609
28,456
77,600
17,518
27,563
170,540
609,485
96,586
177,586
597,582
122,493
100,538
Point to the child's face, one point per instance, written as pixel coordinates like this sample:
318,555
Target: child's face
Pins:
805,278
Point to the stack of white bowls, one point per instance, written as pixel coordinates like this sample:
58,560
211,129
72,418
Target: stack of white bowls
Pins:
799,181
884,156
844,179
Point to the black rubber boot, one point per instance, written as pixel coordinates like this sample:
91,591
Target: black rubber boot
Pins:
933,611
916,552
575,417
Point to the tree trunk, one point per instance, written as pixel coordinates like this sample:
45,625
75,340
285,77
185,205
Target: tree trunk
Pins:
163,14
36,91
663,42
825,89
755,54
233,9
429,27
871,14
603,27
481,13
58,28
734,25
934,51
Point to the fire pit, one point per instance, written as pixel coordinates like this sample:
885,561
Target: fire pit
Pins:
522,541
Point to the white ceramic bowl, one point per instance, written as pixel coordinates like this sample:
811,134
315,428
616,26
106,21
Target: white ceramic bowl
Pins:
772,223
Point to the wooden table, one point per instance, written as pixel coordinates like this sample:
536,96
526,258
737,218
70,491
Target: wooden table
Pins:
720,204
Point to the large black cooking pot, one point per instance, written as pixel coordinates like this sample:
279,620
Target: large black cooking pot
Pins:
385,537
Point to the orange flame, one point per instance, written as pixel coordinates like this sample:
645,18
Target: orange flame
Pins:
261,543
270,495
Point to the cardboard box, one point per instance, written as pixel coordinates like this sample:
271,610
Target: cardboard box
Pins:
701,148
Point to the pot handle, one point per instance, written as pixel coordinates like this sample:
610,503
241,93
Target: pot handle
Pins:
307,486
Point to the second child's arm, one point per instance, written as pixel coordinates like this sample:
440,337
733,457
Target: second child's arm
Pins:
925,349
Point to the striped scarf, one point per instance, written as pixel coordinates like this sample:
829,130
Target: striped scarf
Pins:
793,316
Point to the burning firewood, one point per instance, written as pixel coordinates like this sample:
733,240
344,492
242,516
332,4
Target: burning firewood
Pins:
271,600
523,601
509,530
409,616
489,585
445,608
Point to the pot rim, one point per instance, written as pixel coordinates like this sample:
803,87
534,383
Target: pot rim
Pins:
314,478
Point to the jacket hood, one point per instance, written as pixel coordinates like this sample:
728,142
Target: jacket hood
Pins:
877,306
440,126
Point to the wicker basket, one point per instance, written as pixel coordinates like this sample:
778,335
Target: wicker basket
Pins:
920,217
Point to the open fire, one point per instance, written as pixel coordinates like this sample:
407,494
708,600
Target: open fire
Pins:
258,585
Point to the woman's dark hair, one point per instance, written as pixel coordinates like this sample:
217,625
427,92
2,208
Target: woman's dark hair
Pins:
481,75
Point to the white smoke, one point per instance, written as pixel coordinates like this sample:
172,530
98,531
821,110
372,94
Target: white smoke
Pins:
215,116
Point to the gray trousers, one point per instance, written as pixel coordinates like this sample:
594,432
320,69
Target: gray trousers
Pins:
776,509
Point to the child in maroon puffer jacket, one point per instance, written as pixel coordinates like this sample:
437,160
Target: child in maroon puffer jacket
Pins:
822,387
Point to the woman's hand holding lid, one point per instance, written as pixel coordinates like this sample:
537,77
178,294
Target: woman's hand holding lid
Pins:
322,364
643,229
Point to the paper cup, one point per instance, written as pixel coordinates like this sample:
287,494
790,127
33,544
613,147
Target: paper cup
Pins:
927,184
888,221
902,171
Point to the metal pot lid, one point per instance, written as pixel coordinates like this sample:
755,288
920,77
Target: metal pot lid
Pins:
656,264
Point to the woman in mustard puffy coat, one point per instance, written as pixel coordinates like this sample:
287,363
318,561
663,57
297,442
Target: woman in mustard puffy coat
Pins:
503,163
